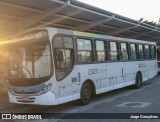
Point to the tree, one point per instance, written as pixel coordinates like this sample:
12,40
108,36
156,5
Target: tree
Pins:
152,23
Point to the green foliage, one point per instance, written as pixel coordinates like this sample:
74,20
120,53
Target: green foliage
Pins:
155,24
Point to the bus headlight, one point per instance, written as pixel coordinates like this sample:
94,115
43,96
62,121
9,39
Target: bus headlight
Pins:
46,89
12,92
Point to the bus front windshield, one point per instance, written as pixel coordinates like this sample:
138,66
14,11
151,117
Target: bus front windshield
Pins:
30,60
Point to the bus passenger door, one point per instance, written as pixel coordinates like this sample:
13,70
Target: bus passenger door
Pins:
65,71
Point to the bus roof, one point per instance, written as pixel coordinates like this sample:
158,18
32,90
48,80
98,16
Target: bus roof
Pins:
98,36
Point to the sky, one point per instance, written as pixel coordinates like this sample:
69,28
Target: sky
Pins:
134,9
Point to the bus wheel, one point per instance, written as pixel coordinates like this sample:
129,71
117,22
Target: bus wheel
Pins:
138,81
86,93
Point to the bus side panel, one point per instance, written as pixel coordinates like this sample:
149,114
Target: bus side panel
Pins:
152,68
105,85
65,92
143,67
131,70
116,74
94,72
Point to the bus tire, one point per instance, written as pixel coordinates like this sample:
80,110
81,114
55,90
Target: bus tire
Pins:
86,93
138,81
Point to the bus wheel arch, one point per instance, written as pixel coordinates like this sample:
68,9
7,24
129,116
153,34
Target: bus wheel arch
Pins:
87,92
138,80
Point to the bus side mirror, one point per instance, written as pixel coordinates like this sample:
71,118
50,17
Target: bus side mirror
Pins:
60,55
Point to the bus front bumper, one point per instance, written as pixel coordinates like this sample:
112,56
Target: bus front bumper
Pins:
45,99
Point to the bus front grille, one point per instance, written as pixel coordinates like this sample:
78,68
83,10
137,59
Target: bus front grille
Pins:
26,92
25,99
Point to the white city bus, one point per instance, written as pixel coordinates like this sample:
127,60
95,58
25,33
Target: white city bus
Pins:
52,66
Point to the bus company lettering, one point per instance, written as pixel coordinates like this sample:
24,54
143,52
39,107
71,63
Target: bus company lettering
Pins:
142,65
92,71
102,70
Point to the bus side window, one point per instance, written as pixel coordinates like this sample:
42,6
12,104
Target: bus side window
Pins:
124,51
140,51
146,51
100,51
133,55
113,51
152,52
85,53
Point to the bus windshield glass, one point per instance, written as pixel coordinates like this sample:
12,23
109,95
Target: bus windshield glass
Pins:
30,59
